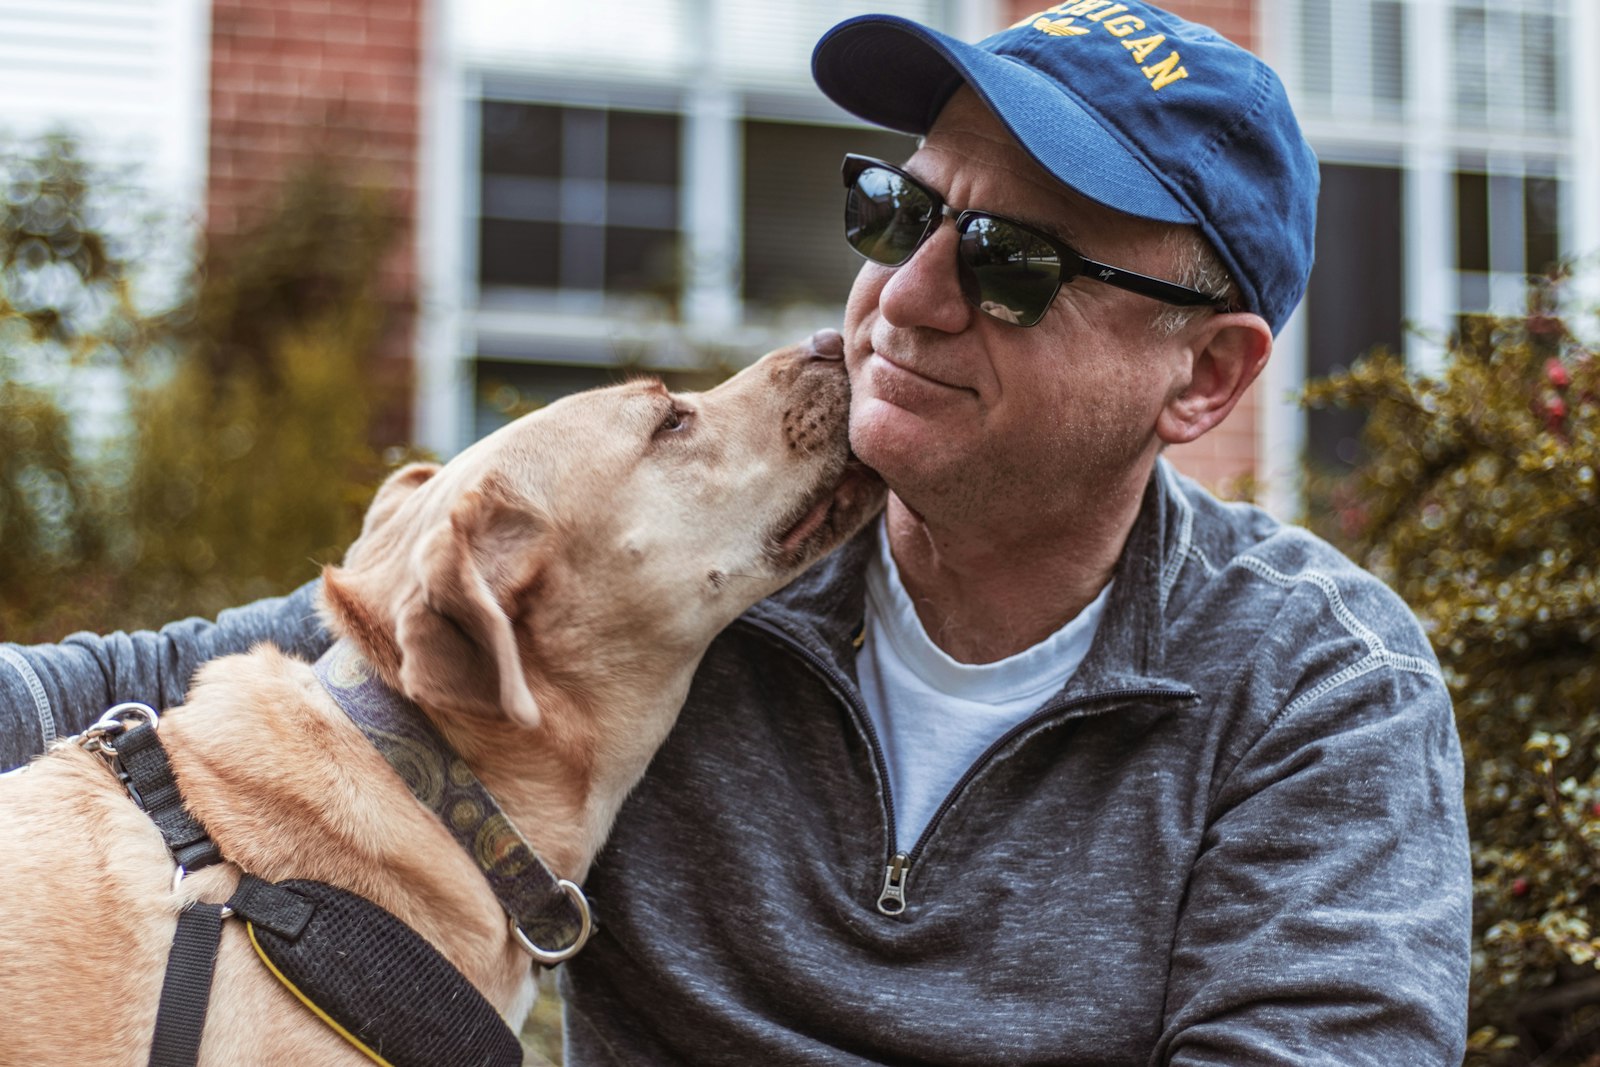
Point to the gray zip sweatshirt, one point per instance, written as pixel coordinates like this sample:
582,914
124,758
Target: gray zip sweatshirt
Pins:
1235,837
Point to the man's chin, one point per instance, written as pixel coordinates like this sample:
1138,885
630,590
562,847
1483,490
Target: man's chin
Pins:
910,463
879,435
885,426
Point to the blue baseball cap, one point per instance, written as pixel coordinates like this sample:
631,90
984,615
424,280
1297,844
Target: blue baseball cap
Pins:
1128,105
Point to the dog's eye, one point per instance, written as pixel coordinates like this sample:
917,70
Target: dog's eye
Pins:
676,422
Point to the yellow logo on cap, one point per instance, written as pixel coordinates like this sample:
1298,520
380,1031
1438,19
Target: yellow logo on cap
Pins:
1059,27
1159,75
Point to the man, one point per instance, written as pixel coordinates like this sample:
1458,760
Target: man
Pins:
1064,761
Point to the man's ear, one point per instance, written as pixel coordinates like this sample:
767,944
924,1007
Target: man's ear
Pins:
1228,351
457,632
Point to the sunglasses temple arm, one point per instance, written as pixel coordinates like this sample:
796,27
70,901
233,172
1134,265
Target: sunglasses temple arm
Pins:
1144,285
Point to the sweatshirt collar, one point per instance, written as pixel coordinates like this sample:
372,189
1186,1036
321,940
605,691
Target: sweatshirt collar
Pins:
822,610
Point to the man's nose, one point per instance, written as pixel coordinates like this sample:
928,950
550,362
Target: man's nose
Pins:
925,290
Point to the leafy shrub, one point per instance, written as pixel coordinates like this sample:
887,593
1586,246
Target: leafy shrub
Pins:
246,451
254,456
67,310
1477,500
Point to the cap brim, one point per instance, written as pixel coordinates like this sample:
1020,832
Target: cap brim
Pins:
898,74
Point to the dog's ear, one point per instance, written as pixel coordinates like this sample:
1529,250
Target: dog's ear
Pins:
394,491
357,593
457,636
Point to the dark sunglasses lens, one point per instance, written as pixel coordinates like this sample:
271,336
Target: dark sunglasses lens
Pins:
1009,273
885,216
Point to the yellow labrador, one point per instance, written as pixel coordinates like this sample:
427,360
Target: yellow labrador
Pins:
544,597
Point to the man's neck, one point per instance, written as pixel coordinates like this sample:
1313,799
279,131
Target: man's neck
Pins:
987,592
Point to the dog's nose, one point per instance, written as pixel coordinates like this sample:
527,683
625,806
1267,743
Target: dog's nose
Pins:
827,344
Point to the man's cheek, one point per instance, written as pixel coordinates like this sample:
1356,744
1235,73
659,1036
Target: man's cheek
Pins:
865,292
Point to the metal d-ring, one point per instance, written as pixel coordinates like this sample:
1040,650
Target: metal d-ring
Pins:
549,957
116,722
122,712
178,880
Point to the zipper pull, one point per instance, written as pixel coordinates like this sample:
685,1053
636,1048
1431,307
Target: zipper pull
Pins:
892,901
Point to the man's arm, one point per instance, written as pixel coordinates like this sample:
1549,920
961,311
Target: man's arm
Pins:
1328,918
50,691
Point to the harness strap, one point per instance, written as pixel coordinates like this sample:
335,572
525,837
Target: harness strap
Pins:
275,907
186,989
192,962
143,767
376,982
311,936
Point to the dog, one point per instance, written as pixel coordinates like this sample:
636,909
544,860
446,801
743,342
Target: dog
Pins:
544,597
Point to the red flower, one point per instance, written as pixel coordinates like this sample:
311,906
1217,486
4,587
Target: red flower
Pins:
1556,372
1519,888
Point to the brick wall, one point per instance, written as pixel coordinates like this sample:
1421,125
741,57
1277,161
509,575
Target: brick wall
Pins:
336,78
1234,19
1228,452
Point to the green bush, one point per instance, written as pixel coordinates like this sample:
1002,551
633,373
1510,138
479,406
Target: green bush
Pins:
66,308
1477,501
249,447
254,456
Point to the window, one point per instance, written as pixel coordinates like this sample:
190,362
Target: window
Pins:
1387,28
1469,32
1541,223
1509,72
1354,300
1351,56
1507,224
1448,155
794,250
1472,221
1544,90
579,199
1504,59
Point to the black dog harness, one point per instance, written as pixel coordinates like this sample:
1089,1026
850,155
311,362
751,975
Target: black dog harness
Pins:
370,977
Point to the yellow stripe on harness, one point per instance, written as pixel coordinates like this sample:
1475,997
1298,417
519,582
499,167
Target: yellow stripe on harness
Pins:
250,928
376,981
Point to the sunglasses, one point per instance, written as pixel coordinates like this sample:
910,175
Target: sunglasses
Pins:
1008,270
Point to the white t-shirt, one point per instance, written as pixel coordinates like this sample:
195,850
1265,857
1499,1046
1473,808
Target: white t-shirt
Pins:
935,716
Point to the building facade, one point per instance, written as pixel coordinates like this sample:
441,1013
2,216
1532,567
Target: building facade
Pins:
1459,143
594,192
